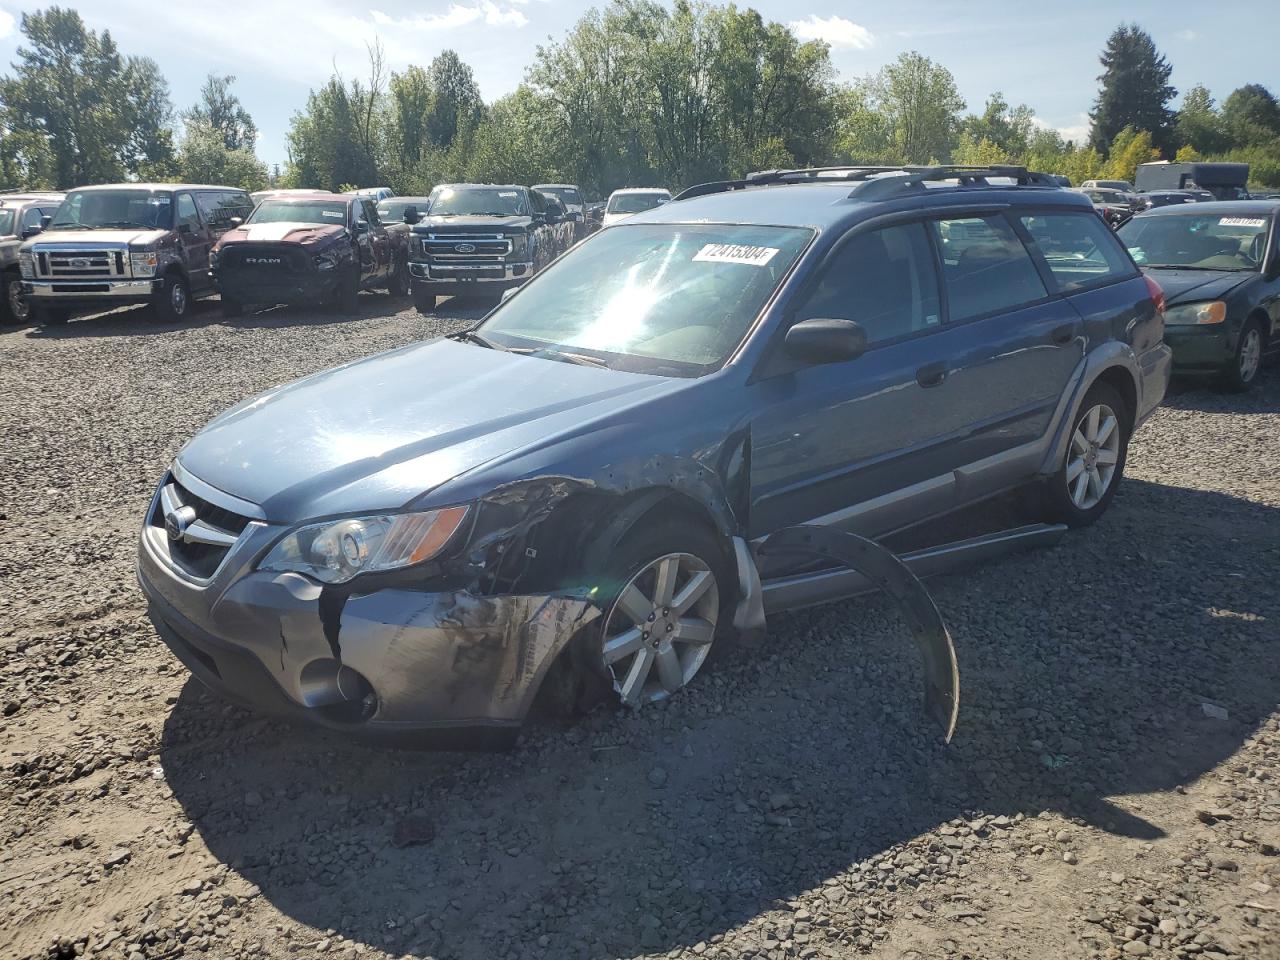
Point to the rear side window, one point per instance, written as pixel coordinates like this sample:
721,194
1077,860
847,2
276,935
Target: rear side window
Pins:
217,209
883,279
1079,248
987,269
187,210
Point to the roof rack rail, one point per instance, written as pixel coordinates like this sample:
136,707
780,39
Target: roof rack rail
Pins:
876,182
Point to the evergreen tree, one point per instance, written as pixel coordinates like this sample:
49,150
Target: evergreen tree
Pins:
1135,90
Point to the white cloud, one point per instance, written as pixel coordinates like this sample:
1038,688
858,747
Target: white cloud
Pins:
458,15
6,23
1078,131
1187,35
835,30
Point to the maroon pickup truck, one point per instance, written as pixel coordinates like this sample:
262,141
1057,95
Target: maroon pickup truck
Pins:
310,248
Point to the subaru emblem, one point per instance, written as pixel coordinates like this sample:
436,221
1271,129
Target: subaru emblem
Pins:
465,248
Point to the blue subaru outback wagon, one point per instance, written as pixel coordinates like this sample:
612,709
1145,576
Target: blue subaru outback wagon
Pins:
571,488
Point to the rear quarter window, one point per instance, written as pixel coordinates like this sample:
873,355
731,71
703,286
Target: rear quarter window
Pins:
1079,249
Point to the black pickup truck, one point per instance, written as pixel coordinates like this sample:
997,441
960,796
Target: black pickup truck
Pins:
321,247
483,238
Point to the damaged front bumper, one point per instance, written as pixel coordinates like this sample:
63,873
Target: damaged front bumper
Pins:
389,661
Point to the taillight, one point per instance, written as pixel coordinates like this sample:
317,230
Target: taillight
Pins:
1157,295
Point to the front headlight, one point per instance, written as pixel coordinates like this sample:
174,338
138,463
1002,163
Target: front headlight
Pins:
337,550
417,246
27,265
325,261
144,264
1209,312
520,245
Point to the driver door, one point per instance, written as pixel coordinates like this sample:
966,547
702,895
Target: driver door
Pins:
858,444
365,229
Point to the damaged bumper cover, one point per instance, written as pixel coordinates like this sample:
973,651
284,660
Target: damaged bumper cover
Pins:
406,660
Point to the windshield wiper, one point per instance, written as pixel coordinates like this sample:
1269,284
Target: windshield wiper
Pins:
1184,266
581,359
472,337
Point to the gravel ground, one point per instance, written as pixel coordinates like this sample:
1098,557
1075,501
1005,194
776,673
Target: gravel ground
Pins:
1113,789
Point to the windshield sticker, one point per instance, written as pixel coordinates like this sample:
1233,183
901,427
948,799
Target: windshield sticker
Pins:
735,253
336,214
1242,222
507,193
1139,255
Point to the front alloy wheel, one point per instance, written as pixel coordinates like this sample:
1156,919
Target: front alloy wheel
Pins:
661,627
15,301
1094,456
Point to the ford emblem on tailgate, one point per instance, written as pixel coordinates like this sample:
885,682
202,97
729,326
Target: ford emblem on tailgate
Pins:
465,248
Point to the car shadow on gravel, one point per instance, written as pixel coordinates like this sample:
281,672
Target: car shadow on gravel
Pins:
1085,672
1191,394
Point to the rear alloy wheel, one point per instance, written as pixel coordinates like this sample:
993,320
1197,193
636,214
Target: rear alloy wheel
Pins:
14,307
661,627
1083,487
1242,370
171,301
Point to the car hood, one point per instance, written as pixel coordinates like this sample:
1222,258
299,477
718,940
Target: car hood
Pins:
1186,286
132,237
377,433
284,231
470,224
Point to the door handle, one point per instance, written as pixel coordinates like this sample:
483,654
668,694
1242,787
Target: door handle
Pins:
932,374
1064,334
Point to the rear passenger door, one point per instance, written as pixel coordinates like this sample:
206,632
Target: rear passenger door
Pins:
194,242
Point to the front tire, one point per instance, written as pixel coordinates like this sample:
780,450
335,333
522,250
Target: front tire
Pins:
1082,489
13,303
423,301
171,302
1242,370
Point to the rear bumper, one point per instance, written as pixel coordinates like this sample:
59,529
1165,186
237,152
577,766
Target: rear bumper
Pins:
87,292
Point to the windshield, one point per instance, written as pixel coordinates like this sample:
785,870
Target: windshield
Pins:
566,194
392,211
478,202
332,212
634,202
6,222
99,209
673,299
1199,242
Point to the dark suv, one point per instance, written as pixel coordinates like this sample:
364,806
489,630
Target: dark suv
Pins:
483,238
129,243
574,486
22,216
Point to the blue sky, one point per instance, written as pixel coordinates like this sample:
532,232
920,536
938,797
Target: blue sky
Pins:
1043,55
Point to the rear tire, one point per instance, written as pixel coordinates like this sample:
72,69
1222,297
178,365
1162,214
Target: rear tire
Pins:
423,301
172,301
1242,370
1082,489
13,303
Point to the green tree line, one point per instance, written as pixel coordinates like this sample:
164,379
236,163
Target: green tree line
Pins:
636,93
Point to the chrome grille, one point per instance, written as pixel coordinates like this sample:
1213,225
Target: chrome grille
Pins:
466,247
81,263
207,530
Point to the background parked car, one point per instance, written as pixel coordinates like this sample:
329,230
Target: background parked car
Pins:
1114,206
376,194
260,195
1124,186
392,210
482,238
575,206
22,216
1219,266
1166,198
129,243
632,200
299,248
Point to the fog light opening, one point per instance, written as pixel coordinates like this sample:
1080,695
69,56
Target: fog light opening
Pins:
336,692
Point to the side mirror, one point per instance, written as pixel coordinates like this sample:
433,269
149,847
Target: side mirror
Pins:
45,221
362,226
411,215
30,232
235,222
824,340
538,219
